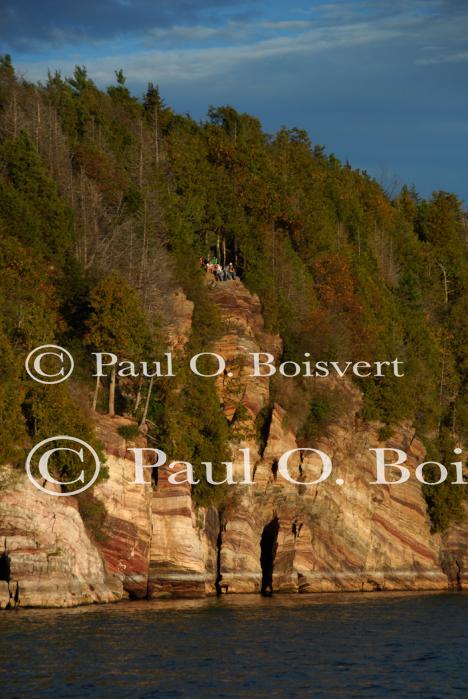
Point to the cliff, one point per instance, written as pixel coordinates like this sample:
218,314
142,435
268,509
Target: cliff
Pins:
271,534
325,537
47,558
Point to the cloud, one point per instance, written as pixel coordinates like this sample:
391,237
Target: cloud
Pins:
188,35
287,24
51,25
457,57
178,52
380,83
189,63
27,23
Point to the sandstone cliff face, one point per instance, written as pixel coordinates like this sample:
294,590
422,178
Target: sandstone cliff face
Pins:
327,537
127,531
47,558
183,558
273,533
455,554
330,537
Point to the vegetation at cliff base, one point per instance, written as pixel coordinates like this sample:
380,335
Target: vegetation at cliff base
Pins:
108,200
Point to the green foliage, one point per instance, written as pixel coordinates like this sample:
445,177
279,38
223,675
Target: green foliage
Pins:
342,271
12,427
94,514
35,245
189,426
310,406
322,410
28,298
445,501
31,204
52,410
117,322
128,432
385,432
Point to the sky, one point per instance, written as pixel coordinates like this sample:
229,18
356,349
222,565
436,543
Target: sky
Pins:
380,83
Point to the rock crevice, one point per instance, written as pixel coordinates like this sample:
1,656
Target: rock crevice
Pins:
273,535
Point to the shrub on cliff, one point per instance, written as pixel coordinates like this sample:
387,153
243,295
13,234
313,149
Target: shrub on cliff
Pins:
53,410
93,512
446,502
342,270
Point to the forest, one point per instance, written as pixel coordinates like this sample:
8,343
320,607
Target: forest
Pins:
107,202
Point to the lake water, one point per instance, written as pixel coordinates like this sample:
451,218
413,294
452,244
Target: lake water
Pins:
335,645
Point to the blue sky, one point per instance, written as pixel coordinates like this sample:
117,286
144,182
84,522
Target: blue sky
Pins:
381,83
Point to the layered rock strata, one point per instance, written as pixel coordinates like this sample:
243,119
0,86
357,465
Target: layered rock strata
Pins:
126,537
271,534
327,537
47,558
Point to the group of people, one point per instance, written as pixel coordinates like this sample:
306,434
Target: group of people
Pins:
220,273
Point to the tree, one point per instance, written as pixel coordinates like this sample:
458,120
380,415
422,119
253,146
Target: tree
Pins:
80,81
116,324
12,425
37,195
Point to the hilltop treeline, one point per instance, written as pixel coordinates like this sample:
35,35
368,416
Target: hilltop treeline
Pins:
107,202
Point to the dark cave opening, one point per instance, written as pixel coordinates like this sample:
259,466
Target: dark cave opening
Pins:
4,567
268,547
219,576
274,469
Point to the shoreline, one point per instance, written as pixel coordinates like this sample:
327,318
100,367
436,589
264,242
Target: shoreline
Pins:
252,599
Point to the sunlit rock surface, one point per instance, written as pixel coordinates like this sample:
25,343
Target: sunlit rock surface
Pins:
330,537
127,531
47,558
272,534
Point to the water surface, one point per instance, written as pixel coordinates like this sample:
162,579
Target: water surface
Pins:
336,645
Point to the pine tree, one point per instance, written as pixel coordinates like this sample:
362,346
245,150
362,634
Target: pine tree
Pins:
116,324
